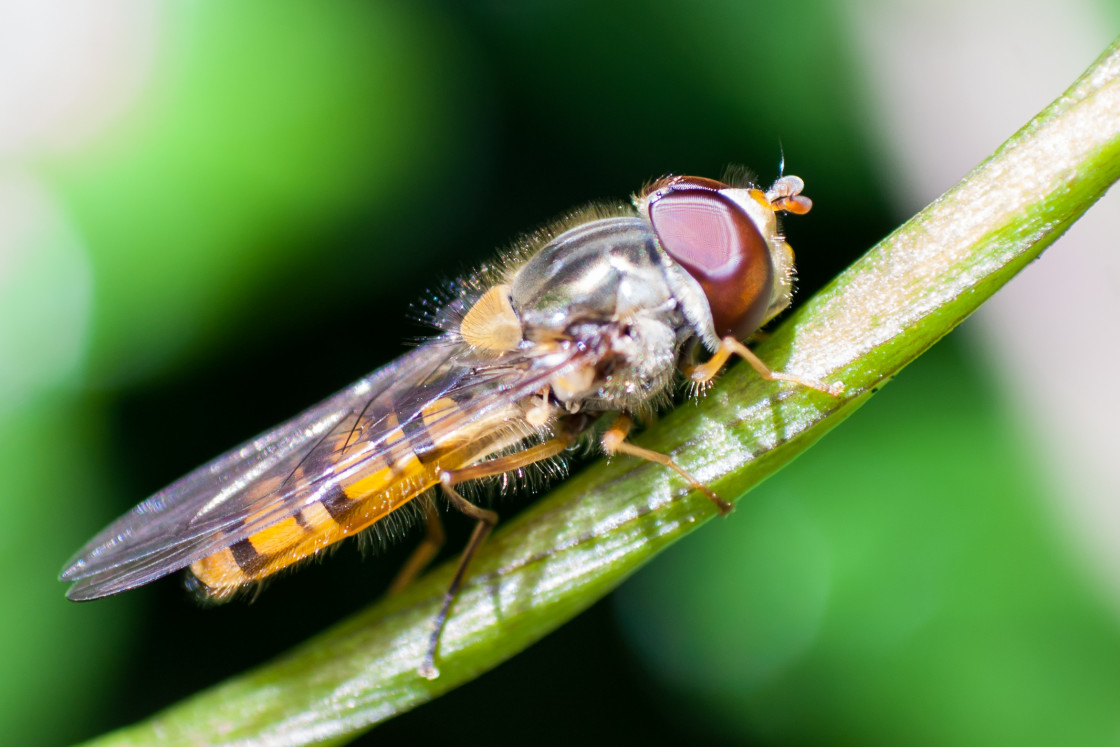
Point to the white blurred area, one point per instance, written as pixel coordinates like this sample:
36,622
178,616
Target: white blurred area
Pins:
948,83
67,70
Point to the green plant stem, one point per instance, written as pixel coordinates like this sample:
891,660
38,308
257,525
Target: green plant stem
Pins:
594,530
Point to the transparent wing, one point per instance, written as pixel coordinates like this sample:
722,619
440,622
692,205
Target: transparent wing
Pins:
273,476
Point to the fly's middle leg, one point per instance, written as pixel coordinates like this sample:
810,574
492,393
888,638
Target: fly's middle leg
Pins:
614,442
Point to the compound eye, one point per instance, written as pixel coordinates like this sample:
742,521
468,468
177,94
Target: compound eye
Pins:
670,183
718,244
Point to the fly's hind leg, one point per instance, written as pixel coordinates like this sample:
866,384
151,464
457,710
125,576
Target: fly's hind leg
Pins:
703,373
485,521
429,547
614,442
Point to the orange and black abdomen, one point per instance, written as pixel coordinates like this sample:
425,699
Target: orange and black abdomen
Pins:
364,488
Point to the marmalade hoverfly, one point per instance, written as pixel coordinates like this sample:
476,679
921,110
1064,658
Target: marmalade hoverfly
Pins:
591,317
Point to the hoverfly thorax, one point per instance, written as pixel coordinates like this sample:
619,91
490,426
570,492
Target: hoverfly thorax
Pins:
604,286
700,259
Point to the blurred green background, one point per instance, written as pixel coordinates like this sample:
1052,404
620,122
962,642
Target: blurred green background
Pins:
214,214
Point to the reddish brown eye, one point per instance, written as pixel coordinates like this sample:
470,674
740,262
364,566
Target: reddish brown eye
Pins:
683,182
718,244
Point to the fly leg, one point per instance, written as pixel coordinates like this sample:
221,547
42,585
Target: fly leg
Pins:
429,547
703,373
614,442
485,521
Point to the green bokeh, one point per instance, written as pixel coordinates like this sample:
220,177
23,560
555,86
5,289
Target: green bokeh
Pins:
262,127
52,483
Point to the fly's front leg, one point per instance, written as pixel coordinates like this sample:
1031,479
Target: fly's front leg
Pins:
703,373
614,442
485,521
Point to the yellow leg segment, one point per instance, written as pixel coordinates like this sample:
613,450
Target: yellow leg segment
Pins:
614,442
704,372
